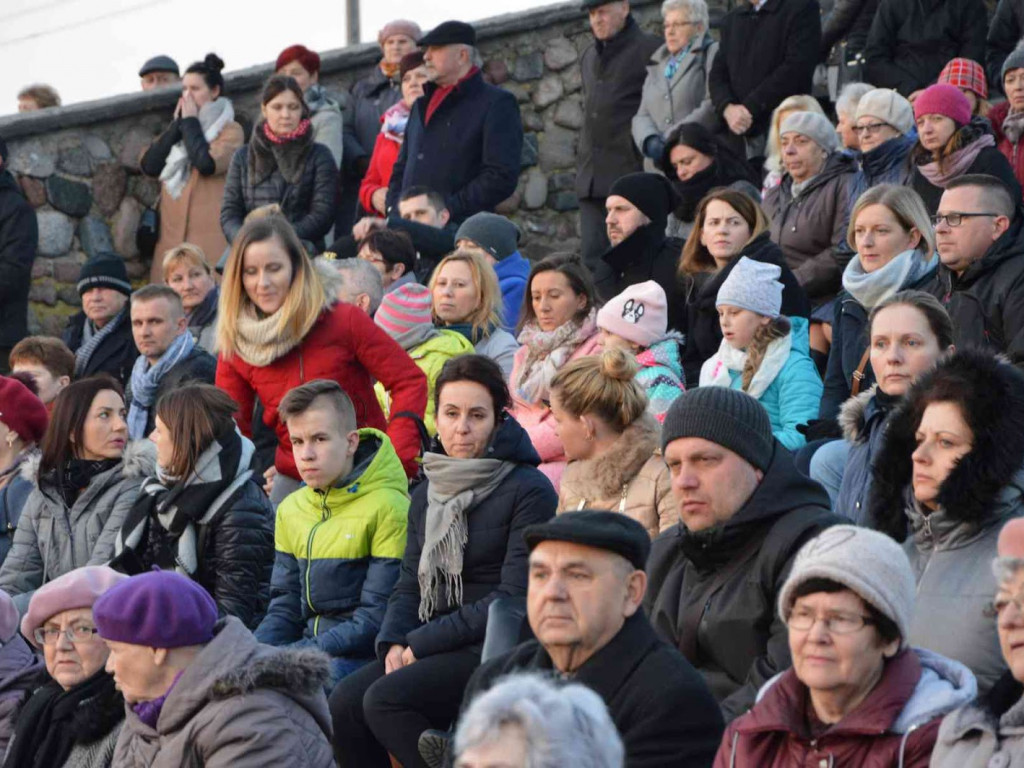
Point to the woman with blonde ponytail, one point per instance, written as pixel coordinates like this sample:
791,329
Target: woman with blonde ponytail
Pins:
611,441
758,354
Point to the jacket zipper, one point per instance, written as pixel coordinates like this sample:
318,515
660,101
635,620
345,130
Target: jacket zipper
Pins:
325,513
622,501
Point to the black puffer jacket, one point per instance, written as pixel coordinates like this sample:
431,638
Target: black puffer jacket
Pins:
494,558
911,40
986,302
645,255
116,355
714,595
19,236
198,367
309,205
693,313
811,228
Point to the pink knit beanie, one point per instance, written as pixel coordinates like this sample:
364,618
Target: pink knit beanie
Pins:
945,100
399,27
404,308
80,588
639,314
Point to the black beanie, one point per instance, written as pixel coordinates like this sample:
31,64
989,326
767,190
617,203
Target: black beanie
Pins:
728,417
104,270
652,193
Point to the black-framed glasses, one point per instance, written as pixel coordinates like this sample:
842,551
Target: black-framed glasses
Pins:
836,622
956,218
49,635
864,130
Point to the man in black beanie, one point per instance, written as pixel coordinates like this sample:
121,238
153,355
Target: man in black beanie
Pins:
637,208
744,512
586,585
19,236
101,334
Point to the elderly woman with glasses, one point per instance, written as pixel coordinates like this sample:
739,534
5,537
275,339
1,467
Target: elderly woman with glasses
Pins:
990,730
857,693
676,88
74,719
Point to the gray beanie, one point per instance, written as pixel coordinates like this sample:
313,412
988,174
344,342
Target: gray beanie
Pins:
889,107
728,417
495,234
1014,61
753,285
868,562
814,126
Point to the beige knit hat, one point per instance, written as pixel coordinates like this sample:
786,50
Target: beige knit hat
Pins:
889,107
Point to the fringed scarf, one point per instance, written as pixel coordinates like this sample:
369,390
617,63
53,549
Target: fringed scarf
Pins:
269,151
547,352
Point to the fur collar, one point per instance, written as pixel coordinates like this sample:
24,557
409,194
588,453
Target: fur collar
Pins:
302,671
851,414
138,460
606,474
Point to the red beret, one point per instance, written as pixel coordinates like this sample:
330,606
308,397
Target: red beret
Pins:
310,60
21,411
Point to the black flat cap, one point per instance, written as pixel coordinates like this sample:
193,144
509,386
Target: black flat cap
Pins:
449,33
611,531
160,64
586,5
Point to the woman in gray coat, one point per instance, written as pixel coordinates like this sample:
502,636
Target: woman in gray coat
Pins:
676,88
86,480
948,476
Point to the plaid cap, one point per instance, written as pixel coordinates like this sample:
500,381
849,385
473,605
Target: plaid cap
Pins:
965,73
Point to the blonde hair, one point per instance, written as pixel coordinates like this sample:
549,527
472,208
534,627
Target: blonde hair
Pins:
696,257
488,291
773,149
186,253
306,295
603,385
905,204
778,328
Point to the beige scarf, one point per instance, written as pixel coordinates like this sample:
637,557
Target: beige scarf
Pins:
259,341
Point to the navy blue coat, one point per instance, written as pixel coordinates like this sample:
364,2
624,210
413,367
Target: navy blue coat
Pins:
19,236
469,152
494,558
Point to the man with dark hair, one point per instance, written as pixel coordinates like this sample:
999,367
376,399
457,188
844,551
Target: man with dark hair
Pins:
168,356
48,361
744,512
19,236
464,137
613,69
340,537
392,253
101,334
979,235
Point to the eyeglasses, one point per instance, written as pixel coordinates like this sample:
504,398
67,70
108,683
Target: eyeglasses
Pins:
864,130
997,607
837,623
956,218
678,25
49,635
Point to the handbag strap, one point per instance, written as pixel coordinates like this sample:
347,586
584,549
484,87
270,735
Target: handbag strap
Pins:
858,375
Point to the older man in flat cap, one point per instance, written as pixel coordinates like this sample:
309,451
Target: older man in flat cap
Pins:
586,586
464,137
158,72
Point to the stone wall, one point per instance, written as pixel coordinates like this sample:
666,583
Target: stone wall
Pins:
78,165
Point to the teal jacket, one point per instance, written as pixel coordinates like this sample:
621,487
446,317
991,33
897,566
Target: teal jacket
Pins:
338,555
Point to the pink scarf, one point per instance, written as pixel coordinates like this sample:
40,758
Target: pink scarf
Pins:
283,138
957,163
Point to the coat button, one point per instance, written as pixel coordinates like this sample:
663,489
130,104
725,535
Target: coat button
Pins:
1000,760
419,156
665,97
823,763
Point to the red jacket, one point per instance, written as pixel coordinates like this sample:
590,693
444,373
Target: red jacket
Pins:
344,345
1014,153
378,175
774,733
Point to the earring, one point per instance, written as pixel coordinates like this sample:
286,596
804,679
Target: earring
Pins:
11,437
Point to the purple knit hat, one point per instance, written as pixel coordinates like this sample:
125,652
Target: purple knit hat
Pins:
159,609
943,99
80,588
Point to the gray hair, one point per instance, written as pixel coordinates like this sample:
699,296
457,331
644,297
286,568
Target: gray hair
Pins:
697,10
562,725
359,276
1005,568
850,96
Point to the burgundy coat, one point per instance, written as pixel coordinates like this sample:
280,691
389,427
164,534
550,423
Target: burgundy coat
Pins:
1014,153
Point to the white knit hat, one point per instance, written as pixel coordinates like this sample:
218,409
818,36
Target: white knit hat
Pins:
868,562
814,126
888,106
753,285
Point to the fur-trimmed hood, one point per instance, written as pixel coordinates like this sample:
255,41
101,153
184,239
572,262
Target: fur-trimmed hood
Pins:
331,279
620,464
138,460
851,414
991,392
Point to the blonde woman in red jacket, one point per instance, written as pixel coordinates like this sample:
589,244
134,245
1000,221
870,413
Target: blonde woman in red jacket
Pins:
280,325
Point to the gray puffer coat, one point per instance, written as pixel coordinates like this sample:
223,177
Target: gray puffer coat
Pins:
239,703
52,539
986,733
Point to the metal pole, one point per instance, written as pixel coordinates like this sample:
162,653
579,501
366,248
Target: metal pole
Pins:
352,22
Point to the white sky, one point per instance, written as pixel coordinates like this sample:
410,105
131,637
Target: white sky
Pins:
90,49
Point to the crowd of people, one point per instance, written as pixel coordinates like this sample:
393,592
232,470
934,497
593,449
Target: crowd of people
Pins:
355,478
